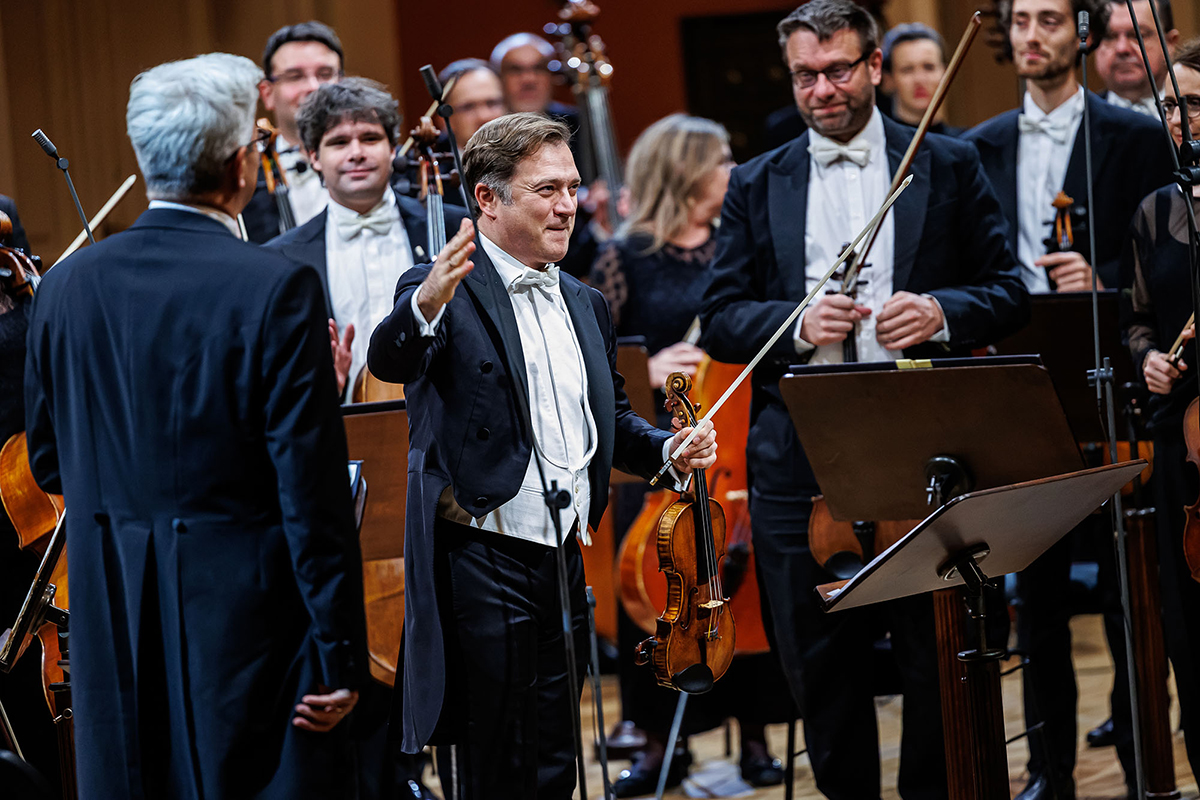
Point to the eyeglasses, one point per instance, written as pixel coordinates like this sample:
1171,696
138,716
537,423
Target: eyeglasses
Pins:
1171,105
835,73
259,142
294,76
524,69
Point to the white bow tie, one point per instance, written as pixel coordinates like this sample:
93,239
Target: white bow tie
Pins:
378,220
827,152
544,279
1057,131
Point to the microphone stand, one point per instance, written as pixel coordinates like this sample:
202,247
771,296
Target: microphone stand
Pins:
556,499
49,149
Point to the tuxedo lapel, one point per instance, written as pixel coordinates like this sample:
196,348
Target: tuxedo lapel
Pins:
1075,180
787,211
309,248
483,283
412,214
909,209
998,152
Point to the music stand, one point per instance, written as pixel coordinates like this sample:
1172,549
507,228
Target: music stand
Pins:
891,441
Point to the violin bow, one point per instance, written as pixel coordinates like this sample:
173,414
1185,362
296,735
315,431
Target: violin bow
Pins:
935,105
787,323
1177,348
95,221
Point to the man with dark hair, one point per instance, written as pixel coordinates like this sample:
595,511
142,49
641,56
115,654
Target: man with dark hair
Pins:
369,235
914,61
1030,154
483,664
296,60
1119,58
942,281
9,207
477,96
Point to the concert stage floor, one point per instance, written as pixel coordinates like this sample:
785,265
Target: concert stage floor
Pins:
1098,775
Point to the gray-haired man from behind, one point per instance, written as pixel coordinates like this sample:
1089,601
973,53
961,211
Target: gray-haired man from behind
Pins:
181,395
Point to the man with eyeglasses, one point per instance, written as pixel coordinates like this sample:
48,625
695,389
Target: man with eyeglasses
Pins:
296,60
1119,58
1030,154
942,280
476,97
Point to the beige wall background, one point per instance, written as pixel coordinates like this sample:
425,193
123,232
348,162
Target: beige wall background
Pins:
65,67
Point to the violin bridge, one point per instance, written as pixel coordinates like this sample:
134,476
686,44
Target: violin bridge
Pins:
713,604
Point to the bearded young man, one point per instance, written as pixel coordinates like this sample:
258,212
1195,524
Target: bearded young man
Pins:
1030,154
943,280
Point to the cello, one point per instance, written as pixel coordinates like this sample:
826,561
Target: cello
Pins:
275,176
37,518
694,640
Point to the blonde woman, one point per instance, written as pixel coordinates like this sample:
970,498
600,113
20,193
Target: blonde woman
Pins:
654,273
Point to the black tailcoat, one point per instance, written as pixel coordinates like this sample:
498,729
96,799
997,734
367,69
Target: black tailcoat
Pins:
465,433
180,394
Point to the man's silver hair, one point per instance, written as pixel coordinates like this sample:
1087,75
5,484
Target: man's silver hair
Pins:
510,43
187,118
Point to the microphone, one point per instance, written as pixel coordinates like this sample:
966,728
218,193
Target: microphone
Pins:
431,82
1084,27
49,149
44,142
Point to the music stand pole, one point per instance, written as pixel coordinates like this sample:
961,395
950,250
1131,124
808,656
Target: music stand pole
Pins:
1102,377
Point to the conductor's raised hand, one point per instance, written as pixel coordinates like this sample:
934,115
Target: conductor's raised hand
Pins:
700,454
449,268
829,319
321,712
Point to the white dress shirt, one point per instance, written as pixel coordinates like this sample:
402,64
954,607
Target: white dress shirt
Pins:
363,265
1042,158
1145,105
205,211
305,190
842,198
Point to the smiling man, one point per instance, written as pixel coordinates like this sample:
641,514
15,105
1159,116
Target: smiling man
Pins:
942,280
368,236
483,664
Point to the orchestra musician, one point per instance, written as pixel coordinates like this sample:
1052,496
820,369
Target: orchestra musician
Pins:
1119,59
180,394
942,280
1030,154
20,689
914,61
483,664
369,235
1155,271
653,274
522,61
476,97
296,60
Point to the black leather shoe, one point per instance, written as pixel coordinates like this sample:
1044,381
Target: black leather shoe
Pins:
764,771
1103,735
1040,788
625,740
642,778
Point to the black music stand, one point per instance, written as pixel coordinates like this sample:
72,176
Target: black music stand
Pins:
1060,332
973,440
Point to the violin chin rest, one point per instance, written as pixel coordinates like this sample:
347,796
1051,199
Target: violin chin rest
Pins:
696,679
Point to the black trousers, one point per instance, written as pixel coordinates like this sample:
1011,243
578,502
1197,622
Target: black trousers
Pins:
507,704
828,660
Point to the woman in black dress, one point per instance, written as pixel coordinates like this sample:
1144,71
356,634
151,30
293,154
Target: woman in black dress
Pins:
1156,286
654,273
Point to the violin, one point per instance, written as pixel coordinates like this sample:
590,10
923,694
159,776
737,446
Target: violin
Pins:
1070,226
694,641
582,59
642,590
276,176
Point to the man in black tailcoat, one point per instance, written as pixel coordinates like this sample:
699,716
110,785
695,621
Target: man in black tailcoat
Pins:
180,395
483,665
942,280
